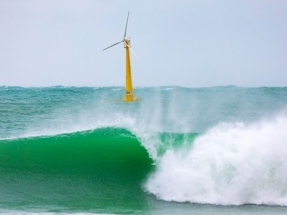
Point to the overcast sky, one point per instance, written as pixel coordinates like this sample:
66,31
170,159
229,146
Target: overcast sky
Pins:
192,43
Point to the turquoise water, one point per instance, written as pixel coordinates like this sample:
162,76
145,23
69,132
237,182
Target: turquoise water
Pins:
218,150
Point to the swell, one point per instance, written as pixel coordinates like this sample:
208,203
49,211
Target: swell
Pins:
80,169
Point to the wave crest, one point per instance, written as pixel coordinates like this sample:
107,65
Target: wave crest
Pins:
232,164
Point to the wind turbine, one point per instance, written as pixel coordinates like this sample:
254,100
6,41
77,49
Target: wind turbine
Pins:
129,96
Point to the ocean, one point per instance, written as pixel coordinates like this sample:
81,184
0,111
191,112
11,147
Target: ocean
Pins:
80,150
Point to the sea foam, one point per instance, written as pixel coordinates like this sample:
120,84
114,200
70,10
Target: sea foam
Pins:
231,164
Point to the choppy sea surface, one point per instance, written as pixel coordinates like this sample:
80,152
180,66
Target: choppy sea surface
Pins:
79,150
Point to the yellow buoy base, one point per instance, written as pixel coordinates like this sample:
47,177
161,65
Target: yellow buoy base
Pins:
130,98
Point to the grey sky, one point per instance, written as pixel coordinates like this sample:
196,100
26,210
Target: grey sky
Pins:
187,43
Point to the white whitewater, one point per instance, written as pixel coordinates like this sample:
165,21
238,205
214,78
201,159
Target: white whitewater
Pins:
231,164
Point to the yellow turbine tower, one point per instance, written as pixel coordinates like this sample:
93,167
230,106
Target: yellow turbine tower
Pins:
129,96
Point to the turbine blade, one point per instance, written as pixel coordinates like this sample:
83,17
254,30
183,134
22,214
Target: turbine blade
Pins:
133,51
126,26
113,45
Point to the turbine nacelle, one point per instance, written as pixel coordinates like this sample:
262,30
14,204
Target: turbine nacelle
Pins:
126,41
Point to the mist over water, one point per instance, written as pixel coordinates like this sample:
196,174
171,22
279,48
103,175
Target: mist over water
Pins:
58,110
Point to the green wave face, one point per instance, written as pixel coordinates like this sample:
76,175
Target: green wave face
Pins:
86,170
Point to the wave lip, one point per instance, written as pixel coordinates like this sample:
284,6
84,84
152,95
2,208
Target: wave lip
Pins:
232,164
